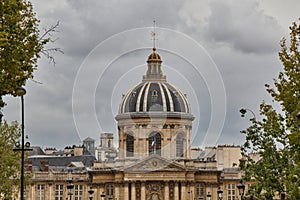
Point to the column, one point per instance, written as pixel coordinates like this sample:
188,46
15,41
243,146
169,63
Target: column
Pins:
137,148
133,194
176,191
32,194
121,143
166,191
97,192
50,192
183,190
143,191
193,191
126,192
189,142
144,148
117,191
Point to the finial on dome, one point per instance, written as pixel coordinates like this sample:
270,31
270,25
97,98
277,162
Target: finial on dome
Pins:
153,34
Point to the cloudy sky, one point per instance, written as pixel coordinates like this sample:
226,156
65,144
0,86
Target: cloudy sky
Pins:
219,53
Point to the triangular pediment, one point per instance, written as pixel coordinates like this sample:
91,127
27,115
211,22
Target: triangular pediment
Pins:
154,163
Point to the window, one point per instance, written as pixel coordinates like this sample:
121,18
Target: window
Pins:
129,145
200,191
179,145
40,192
231,192
154,93
110,191
59,192
78,192
154,144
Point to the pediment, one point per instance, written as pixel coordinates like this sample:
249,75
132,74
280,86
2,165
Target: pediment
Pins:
154,163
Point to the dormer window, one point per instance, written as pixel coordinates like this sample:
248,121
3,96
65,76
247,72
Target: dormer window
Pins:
133,94
154,93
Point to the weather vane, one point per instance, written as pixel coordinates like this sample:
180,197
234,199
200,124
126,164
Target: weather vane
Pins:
153,34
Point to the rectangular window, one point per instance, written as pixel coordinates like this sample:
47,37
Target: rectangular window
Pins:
59,192
200,191
78,192
110,191
231,192
40,190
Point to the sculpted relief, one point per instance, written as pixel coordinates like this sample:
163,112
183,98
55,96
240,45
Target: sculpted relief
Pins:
154,190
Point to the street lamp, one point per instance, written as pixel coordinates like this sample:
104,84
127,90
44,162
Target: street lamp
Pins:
70,187
91,193
241,188
298,117
208,196
282,196
20,91
1,115
220,193
102,196
243,112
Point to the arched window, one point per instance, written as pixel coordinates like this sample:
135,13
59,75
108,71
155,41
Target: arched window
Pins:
154,144
129,145
179,145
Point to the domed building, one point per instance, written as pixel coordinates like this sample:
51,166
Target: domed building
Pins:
154,117
154,156
154,159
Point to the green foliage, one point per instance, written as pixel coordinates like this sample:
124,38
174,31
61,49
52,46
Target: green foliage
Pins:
10,160
276,138
18,57
20,45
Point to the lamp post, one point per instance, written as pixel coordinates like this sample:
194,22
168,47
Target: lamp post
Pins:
298,117
220,193
91,193
243,112
208,196
241,188
1,115
70,187
20,91
282,196
102,196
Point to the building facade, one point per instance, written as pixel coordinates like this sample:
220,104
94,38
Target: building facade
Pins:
154,161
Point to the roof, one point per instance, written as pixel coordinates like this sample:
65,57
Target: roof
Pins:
87,160
154,94
88,139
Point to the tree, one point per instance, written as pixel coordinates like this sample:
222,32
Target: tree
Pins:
276,137
20,45
10,160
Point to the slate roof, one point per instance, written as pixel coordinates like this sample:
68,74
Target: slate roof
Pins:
62,161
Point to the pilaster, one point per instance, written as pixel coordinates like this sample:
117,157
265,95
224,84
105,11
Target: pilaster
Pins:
183,190
176,191
166,191
133,191
143,191
126,191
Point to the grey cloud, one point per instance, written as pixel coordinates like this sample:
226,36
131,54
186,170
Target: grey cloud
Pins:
88,24
241,25
229,30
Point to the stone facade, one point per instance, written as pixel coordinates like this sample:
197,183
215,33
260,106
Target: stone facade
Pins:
154,157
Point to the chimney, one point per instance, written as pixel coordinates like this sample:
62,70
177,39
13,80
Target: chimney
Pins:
28,165
44,165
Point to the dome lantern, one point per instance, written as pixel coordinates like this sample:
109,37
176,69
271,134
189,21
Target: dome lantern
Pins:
154,71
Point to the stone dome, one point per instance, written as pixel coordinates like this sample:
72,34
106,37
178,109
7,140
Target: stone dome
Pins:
154,94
